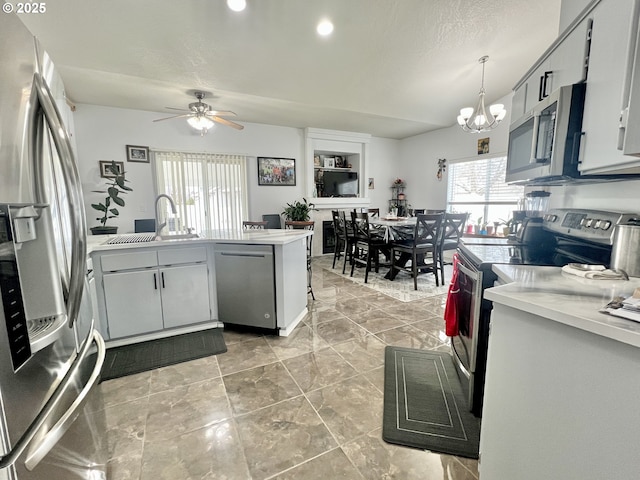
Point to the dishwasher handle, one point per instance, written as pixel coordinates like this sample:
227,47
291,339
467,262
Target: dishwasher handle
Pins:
244,254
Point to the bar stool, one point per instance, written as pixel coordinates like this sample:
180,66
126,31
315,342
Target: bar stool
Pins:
308,225
249,225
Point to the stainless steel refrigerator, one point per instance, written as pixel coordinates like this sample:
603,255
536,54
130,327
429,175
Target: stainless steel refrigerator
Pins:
52,421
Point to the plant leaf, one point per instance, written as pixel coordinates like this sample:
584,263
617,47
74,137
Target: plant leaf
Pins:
114,211
118,201
99,206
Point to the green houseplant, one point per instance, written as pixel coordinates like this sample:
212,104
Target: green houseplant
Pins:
298,211
115,187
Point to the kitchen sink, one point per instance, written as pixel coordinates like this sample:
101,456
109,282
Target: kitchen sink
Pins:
178,236
149,237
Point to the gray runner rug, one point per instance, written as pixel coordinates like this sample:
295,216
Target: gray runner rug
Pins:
424,406
143,356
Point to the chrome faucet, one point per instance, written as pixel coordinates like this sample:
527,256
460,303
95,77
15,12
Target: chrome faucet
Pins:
160,226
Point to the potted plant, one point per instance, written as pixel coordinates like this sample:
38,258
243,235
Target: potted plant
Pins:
507,225
115,187
298,211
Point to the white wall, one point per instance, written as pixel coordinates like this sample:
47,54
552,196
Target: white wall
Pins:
385,164
103,132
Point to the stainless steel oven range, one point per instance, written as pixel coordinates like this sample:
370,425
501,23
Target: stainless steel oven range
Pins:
567,235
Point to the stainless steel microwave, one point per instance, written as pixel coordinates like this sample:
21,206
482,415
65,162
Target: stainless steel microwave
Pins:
544,144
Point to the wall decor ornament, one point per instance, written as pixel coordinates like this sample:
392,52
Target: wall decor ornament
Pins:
483,146
442,166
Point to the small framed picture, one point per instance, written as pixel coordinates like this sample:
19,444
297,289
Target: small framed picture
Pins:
106,168
136,153
339,161
329,162
483,146
316,161
276,171
371,183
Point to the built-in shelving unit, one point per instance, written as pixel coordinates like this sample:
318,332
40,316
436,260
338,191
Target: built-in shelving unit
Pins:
336,151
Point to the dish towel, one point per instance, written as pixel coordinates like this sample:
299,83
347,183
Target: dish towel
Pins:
594,272
451,307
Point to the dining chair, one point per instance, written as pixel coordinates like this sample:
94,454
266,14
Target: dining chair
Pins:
366,246
350,239
421,247
452,229
306,225
273,220
340,239
250,225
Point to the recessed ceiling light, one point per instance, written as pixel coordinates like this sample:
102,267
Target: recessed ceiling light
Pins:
325,27
237,5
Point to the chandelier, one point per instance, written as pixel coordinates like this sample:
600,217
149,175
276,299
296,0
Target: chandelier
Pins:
479,120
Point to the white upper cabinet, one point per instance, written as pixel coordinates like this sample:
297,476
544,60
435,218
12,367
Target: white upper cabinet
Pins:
564,63
611,65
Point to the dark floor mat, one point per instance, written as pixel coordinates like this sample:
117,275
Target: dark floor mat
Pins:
143,356
424,406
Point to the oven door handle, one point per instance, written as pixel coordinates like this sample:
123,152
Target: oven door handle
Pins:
469,273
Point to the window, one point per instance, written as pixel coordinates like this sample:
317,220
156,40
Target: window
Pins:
210,190
478,187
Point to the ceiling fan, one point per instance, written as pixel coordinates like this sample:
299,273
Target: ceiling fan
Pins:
202,117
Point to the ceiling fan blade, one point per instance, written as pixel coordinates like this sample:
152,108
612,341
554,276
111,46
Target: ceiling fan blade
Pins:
229,123
173,116
220,113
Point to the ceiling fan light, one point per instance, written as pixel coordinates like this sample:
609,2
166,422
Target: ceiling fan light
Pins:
324,28
501,115
237,5
200,122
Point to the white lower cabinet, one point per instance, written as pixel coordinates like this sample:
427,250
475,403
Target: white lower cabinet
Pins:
153,290
185,295
133,302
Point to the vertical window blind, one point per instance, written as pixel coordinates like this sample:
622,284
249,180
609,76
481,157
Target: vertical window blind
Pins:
478,187
210,190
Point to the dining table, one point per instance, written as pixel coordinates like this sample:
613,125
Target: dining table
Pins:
394,227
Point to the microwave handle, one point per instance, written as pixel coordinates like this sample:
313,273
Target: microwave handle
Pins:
534,138
575,147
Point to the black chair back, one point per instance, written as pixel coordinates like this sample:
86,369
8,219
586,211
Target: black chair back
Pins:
453,228
360,223
273,220
427,229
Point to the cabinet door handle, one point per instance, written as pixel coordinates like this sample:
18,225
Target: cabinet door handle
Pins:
155,282
162,276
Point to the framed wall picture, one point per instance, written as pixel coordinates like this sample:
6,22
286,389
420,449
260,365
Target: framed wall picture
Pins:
276,171
483,145
136,153
107,172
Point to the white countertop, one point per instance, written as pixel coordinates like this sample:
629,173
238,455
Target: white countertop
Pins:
260,237
550,293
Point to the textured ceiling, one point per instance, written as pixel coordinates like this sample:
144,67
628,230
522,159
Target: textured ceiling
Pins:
392,68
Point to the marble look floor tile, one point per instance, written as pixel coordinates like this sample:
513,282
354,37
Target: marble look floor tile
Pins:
259,387
319,369
323,313
125,424
376,459
409,337
350,307
279,437
125,389
303,339
350,408
232,337
184,373
213,452
376,377
244,355
328,466
339,330
363,353
186,408
125,466
376,321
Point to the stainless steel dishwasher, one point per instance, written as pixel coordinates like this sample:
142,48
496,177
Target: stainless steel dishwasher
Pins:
245,284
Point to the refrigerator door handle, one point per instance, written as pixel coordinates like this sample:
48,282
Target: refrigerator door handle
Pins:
52,404
37,452
73,187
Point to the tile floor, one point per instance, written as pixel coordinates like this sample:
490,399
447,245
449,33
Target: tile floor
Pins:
307,406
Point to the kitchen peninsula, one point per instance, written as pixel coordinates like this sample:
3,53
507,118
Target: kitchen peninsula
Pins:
562,379
152,289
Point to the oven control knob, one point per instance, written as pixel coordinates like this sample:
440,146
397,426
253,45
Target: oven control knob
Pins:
606,225
588,222
598,224
553,218
583,222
